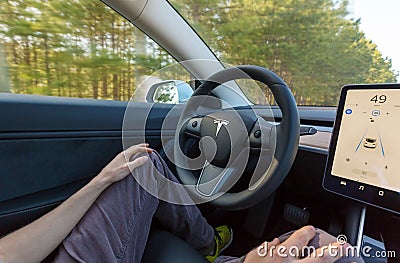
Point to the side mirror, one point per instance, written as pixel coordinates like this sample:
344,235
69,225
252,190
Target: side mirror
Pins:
170,91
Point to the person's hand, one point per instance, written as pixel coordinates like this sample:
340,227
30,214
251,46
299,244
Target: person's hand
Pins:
275,252
122,164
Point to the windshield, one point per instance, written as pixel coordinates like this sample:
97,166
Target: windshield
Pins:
316,46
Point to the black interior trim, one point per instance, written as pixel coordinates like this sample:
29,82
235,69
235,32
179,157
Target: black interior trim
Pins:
78,134
40,199
28,113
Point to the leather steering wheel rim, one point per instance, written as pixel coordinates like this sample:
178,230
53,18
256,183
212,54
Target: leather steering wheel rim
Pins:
287,135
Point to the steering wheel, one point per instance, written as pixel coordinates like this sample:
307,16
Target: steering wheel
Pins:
228,138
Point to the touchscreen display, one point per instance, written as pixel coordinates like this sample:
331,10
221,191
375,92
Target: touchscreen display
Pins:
364,155
368,140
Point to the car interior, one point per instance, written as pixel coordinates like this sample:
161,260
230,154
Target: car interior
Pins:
280,166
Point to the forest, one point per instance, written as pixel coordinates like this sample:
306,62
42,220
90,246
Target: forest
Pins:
82,48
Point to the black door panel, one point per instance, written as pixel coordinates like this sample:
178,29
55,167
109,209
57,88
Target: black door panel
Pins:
50,147
18,212
35,165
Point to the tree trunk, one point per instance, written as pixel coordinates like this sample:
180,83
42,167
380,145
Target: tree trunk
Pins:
95,86
47,90
104,87
115,87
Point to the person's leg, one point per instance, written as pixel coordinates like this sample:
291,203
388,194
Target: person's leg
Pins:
118,221
227,259
116,227
185,221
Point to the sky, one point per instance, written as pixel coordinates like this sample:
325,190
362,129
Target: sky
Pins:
380,21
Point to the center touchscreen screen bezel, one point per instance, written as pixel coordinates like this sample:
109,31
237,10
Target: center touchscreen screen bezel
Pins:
369,194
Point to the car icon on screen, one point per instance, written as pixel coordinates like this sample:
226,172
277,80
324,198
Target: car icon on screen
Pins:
369,143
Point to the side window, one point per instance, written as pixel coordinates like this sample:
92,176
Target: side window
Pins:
74,48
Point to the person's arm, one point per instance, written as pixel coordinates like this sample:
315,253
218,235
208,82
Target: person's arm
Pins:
35,241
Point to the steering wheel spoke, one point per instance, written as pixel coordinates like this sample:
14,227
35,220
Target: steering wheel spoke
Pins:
263,135
212,179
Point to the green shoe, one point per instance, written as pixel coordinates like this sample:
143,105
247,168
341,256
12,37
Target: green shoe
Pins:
223,238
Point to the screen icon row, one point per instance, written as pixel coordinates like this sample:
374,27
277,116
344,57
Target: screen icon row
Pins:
375,113
362,188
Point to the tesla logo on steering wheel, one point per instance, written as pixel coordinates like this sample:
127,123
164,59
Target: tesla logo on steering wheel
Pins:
219,125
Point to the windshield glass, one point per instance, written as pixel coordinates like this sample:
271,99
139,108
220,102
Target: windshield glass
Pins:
316,46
